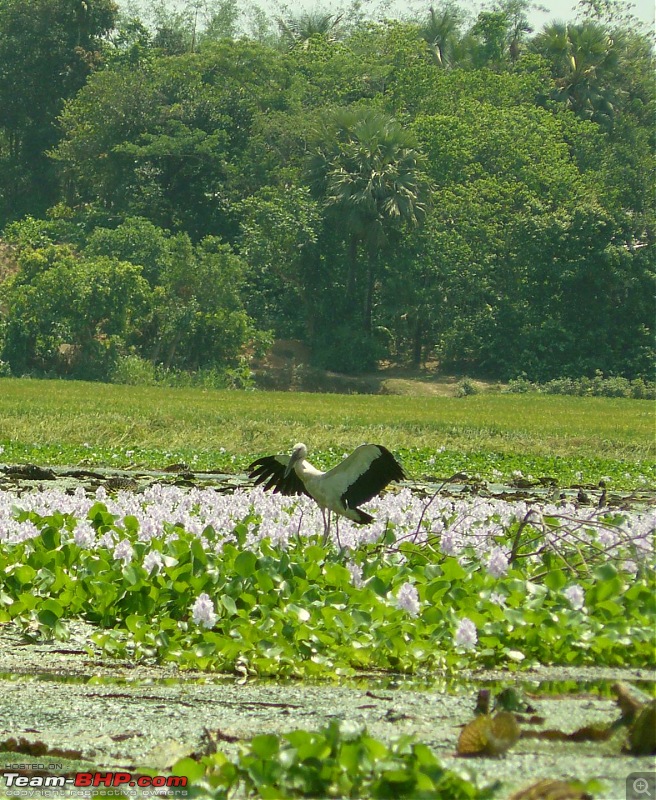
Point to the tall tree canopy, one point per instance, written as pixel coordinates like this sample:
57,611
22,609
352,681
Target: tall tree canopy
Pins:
454,187
48,48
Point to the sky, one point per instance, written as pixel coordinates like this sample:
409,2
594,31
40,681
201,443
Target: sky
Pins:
554,10
564,10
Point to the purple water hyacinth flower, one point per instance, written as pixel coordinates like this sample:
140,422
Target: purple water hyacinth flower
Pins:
108,540
123,552
497,563
466,635
606,537
465,528
356,574
153,560
408,599
202,611
448,544
576,596
148,528
13,531
498,599
84,535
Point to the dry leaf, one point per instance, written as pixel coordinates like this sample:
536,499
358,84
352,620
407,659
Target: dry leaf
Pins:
488,736
642,734
551,790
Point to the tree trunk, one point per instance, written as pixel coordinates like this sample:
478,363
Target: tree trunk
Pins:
172,350
369,295
352,266
417,343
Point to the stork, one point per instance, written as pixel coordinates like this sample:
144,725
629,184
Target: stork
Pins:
359,477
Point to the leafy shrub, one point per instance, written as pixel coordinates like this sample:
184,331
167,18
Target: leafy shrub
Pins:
71,316
521,386
136,371
135,240
599,386
465,388
643,390
341,760
134,290
31,232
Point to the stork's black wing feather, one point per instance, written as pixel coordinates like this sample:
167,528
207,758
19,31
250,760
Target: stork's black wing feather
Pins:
270,471
382,469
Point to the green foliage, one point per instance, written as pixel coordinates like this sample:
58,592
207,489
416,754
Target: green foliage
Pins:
536,253
342,349
341,760
599,386
47,49
367,173
199,319
466,387
187,316
135,371
279,231
135,240
297,610
582,58
72,316
165,141
36,233
515,282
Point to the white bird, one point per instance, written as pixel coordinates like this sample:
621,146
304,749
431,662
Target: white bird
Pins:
359,477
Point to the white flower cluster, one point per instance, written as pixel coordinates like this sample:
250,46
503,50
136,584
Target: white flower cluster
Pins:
464,528
408,599
202,611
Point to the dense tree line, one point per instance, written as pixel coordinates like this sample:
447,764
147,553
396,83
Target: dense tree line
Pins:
179,186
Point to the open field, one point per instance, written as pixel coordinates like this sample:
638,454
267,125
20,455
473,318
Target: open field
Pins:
60,422
78,412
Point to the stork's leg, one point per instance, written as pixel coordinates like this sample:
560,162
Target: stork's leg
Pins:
339,544
326,526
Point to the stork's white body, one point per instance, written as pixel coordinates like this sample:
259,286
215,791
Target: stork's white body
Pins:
313,480
357,479
328,488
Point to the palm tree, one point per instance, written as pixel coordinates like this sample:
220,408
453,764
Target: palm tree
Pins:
442,33
367,169
518,26
298,30
582,57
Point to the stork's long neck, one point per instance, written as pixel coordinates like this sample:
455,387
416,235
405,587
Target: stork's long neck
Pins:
306,471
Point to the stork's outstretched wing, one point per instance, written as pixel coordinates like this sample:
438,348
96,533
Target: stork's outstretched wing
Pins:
364,474
270,470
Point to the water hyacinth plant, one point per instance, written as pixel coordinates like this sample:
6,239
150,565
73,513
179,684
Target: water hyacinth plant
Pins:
244,582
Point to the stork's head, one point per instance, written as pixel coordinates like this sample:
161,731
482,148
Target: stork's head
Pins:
299,452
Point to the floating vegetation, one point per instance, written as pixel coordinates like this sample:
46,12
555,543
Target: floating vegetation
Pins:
244,582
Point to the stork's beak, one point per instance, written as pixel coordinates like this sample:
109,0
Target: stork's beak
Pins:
293,459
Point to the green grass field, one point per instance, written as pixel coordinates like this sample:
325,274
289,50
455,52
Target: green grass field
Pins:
66,422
